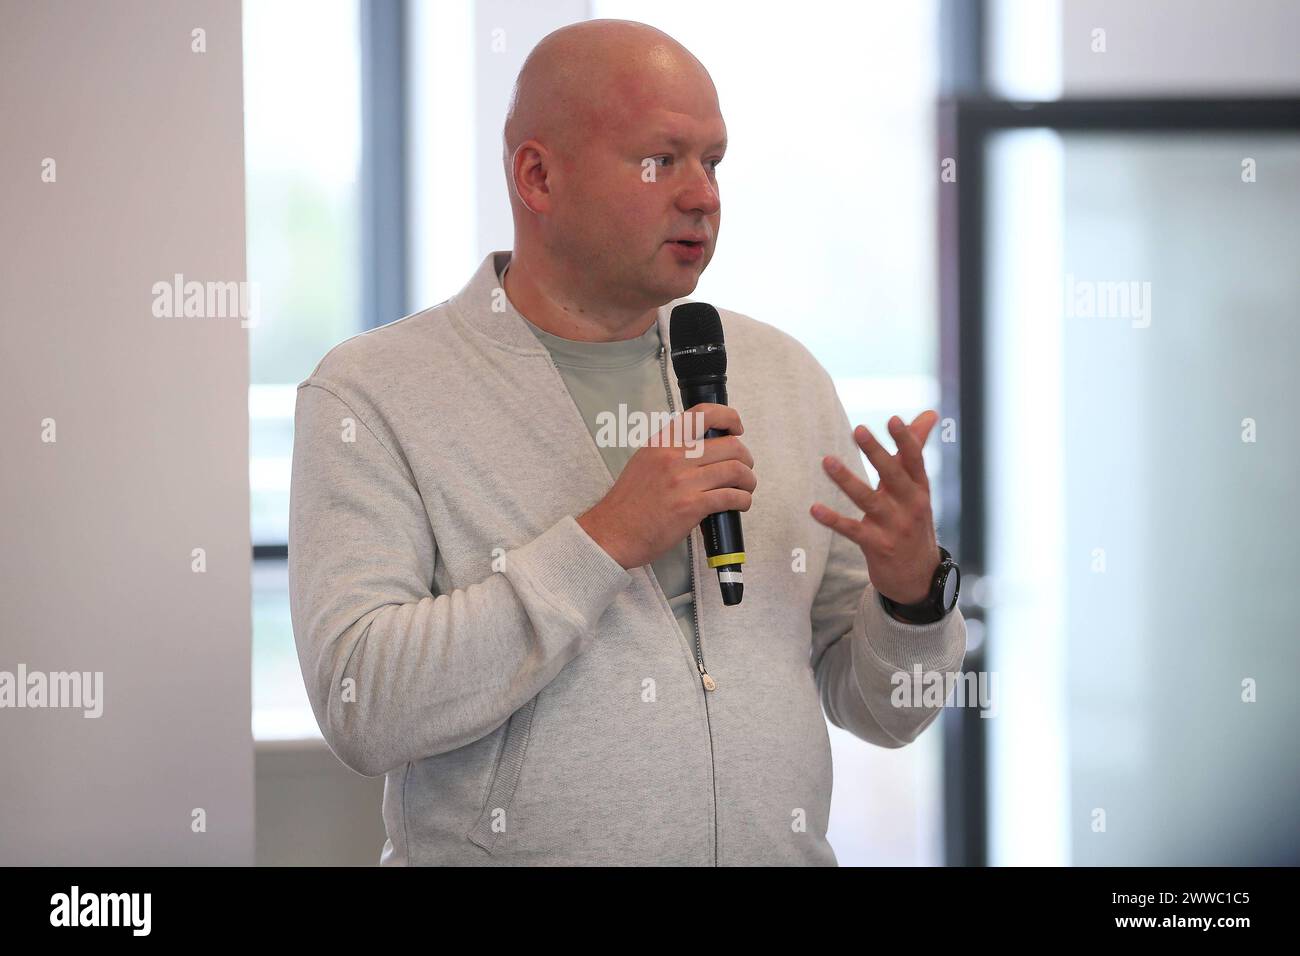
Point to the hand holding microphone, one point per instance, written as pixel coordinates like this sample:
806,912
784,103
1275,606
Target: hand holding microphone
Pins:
669,486
662,492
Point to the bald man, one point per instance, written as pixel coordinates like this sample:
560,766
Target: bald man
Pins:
498,584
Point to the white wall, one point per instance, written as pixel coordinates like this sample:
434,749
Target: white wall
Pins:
151,425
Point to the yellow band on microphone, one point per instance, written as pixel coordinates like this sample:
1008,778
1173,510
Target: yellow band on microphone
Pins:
735,557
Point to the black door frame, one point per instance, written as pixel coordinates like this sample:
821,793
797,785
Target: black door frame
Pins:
965,125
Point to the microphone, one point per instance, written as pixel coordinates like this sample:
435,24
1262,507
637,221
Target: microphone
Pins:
700,363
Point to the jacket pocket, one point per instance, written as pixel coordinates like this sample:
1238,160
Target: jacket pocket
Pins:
493,820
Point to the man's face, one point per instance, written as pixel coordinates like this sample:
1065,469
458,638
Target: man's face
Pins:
639,182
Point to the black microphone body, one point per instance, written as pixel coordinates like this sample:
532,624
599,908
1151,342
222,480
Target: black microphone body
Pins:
722,534
699,359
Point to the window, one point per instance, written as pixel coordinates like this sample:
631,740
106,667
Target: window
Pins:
302,156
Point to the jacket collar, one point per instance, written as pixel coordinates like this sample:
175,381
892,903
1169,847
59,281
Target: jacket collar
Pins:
507,328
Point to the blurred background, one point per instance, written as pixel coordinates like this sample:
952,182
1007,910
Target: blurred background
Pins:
1069,225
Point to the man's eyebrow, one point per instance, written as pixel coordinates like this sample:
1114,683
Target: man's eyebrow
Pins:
678,141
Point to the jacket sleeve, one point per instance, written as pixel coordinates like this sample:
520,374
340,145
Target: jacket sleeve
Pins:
860,654
393,672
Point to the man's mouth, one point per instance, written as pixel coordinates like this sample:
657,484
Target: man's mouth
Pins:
687,250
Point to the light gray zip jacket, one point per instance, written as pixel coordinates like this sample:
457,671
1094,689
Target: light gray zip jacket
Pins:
528,699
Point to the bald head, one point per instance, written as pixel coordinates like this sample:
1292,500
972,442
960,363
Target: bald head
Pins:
587,75
611,145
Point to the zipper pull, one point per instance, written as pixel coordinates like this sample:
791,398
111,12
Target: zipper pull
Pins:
709,682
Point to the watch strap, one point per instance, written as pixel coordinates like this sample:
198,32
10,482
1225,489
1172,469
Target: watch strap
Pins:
930,609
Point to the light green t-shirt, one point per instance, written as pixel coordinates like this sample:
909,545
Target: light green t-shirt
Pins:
600,377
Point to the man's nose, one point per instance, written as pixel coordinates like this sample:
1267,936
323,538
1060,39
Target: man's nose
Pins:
701,194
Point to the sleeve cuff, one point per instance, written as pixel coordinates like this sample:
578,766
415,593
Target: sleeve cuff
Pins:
573,572
895,645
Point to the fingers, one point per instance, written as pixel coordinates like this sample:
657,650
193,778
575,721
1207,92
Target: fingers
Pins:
859,492
889,468
726,474
725,499
902,476
922,428
860,533
723,448
909,450
711,415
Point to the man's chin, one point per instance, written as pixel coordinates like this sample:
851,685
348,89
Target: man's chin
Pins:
684,280
675,290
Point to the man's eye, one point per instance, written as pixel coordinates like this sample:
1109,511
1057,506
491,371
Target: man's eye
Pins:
668,159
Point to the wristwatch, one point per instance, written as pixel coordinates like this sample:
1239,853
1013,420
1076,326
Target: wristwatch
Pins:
941,599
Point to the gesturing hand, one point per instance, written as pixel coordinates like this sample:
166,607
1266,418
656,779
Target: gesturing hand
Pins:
896,530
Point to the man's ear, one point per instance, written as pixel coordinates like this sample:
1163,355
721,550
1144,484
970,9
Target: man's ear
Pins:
530,167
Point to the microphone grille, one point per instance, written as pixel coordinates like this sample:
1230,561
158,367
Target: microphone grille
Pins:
695,332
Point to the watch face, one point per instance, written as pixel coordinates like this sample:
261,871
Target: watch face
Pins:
950,585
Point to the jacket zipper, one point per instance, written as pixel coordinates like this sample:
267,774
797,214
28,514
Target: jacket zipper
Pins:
705,678
708,682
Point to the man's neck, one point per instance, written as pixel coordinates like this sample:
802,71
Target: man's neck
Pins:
550,309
